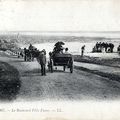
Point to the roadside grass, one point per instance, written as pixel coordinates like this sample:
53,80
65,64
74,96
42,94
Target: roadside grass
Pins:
114,62
107,75
9,82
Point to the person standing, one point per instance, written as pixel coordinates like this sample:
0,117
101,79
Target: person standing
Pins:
97,46
106,46
112,47
42,61
118,49
50,64
82,50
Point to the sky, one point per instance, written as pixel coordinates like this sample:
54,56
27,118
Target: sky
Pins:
59,15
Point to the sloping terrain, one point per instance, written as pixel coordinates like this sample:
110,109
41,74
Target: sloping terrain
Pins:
9,81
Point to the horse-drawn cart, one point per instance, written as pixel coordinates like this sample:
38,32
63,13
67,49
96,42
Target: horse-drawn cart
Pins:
65,60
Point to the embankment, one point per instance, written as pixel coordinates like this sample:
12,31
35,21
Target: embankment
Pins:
9,81
114,62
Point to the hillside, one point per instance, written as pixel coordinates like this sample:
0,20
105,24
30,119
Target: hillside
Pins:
8,45
27,39
20,39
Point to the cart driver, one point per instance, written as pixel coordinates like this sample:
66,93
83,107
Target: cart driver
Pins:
66,51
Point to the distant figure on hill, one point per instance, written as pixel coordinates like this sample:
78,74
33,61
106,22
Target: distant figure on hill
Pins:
111,47
106,46
82,50
96,47
118,49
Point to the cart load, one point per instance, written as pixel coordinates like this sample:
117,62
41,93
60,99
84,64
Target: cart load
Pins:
58,58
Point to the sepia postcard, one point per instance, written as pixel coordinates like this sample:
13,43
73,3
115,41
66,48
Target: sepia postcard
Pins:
59,59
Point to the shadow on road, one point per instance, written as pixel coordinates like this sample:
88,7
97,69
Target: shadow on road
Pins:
37,71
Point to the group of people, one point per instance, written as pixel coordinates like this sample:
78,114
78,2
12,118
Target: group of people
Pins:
102,46
32,52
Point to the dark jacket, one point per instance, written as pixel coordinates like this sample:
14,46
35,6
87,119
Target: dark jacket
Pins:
42,59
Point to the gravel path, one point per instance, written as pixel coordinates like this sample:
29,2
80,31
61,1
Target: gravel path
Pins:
61,85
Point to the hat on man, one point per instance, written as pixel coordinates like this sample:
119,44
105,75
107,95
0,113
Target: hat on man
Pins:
44,51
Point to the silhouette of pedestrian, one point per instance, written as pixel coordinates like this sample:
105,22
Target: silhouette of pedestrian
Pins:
82,50
50,64
42,60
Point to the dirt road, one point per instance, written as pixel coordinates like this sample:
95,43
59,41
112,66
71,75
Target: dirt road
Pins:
79,85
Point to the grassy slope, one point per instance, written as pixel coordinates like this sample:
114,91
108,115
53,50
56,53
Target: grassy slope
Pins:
9,82
115,62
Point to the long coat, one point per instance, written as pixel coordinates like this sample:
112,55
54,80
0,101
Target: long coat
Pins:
42,59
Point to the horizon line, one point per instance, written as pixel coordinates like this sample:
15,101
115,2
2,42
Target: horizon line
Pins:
61,31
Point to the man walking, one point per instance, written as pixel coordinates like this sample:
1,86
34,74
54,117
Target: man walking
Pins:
42,61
